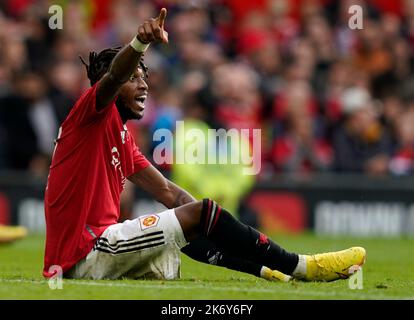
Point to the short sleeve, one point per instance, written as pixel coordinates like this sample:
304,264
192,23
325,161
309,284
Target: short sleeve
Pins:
84,111
140,161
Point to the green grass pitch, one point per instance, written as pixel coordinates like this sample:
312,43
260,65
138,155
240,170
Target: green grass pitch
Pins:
387,274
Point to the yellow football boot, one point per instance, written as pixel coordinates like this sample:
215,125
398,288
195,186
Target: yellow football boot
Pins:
274,275
334,265
11,233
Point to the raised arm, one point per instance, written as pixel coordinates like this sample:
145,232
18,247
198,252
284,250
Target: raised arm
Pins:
162,189
127,60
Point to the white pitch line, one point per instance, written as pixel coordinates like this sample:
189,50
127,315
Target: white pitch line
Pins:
210,287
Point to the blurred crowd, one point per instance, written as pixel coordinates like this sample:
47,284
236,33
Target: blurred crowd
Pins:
326,97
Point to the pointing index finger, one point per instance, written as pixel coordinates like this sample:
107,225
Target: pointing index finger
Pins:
161,17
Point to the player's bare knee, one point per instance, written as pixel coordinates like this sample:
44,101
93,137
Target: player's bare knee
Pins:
189,217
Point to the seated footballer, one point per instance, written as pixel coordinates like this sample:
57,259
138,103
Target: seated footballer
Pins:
95,155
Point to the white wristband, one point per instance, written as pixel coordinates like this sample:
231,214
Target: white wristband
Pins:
138,45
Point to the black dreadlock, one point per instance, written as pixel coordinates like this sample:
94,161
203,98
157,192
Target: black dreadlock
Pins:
99,63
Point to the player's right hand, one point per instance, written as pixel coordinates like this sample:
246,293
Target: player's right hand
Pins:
153,29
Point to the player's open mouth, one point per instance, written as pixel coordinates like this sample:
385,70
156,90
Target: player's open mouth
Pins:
140,101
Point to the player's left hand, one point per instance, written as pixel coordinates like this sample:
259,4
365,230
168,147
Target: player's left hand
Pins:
153,29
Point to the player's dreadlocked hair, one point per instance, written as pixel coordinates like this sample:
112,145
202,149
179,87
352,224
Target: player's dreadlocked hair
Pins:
99,63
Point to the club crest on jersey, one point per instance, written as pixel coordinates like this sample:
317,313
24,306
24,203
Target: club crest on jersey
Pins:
148,221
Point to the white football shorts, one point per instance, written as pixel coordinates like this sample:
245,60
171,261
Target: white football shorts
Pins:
144,248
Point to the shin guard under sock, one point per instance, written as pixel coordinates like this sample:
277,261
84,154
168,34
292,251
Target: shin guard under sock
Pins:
243,241
204,250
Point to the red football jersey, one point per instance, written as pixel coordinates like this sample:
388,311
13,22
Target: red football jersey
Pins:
94,156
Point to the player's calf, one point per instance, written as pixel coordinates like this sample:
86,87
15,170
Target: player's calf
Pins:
243,241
